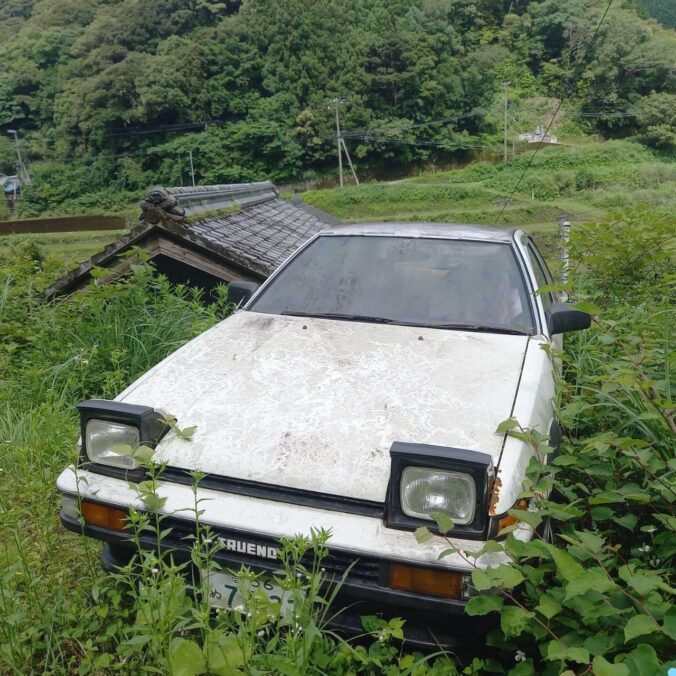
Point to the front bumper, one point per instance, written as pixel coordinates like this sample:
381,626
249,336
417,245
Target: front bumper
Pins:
430,620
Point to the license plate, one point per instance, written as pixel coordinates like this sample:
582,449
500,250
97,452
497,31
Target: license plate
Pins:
225,591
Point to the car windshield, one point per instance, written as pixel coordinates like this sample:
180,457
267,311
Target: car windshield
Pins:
443,283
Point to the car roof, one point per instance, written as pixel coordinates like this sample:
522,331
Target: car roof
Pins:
433,230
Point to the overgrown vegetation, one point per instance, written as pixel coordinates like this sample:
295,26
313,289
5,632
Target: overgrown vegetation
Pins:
597,598
584,183
52,355
69,247
110,96
598,594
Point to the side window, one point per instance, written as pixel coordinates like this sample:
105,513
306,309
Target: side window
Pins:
542,275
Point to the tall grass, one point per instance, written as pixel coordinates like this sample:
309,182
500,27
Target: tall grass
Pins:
53,355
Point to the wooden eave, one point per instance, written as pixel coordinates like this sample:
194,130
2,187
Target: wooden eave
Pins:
167,238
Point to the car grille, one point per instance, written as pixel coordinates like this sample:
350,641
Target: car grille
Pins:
335,564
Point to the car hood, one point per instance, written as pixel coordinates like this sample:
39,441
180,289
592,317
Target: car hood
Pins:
316,404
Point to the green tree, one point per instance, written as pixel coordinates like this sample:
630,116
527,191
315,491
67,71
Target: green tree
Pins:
662,10
656,115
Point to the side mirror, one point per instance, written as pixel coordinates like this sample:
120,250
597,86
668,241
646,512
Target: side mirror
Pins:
562,317
239,291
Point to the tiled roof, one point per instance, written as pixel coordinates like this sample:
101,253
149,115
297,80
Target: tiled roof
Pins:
266,233
203,198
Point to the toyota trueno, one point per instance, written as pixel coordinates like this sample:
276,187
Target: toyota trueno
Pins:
358,390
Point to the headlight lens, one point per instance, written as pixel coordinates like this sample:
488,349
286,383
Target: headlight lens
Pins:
103,435
425,490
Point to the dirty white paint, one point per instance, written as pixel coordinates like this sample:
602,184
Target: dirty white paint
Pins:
315,404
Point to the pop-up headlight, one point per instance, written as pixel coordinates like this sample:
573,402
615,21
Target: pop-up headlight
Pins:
107,424
426,479
102,436
426,490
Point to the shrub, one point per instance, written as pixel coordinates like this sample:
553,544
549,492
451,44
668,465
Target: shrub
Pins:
565,182
630,252
593,591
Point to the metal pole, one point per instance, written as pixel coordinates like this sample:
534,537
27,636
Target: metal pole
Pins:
505,84
513,138
15,135
192,168
26,178
564,234
354,173
338,136
21,171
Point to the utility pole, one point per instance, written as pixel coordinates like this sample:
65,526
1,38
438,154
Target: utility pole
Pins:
340,141
192,168
21,170
354,173
336,102
505,84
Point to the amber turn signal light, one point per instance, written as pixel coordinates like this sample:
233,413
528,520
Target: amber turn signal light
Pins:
426,581
510,520
96,514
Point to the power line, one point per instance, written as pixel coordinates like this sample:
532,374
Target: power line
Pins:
556,111
625,114
380,133
417,125
93,158
377,134
419,142
183,126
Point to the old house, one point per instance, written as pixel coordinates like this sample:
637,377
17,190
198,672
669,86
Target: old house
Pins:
207,235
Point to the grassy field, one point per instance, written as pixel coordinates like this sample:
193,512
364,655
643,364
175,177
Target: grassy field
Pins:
69,247
583,183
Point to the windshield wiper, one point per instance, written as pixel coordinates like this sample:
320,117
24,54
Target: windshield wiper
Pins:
476,327
339,315
384,320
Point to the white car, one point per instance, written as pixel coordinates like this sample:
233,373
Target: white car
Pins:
358,390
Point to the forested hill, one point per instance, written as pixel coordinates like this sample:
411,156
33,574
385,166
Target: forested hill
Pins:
115,93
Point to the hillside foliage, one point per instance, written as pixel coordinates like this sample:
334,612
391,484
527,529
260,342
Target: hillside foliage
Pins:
662,10
113,94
